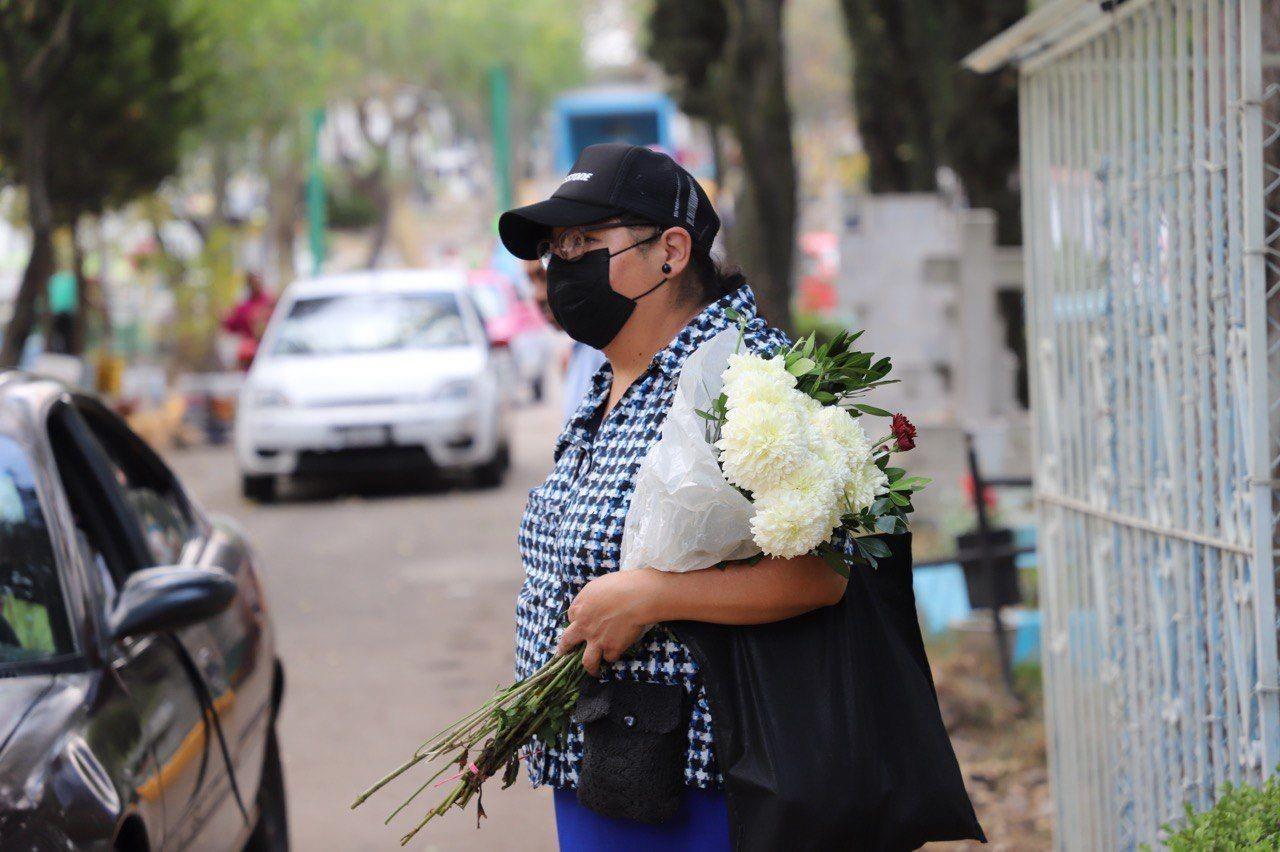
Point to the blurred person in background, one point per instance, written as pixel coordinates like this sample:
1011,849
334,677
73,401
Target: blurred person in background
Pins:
248,319
583,361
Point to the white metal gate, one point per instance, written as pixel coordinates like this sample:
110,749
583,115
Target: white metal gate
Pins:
1150,274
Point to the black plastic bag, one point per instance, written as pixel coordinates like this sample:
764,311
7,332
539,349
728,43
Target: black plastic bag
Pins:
827,726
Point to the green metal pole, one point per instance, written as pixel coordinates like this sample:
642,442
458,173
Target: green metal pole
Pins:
315,194
499,97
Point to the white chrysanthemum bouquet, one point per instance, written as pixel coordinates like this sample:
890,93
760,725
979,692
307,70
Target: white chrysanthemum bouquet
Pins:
759,456
789,433
779,455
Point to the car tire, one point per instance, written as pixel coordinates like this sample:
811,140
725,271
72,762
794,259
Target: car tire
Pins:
261,489
271,834
491,473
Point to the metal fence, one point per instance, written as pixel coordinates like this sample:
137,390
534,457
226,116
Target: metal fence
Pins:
1152,321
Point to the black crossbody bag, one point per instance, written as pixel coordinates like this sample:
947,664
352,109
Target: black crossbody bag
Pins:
634,739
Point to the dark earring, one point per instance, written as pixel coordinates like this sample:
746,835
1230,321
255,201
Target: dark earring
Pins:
666,267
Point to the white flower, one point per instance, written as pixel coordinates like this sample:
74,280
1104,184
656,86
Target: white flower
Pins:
845,445
865,483
762,445
791,521
751,380
844,432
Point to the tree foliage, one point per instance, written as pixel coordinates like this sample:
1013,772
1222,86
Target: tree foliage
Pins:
688,40
908,52
896,48
94,102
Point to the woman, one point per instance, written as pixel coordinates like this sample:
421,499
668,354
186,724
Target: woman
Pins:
665,296
626,240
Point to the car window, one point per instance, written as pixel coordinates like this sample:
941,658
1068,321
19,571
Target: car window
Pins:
370,322
490,299
163,513
33,615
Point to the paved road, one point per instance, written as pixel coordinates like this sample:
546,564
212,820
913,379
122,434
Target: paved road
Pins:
394,609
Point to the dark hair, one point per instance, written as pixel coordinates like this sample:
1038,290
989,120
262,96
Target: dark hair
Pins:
711,278
708,279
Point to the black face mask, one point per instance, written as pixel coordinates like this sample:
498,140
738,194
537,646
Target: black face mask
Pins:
581,300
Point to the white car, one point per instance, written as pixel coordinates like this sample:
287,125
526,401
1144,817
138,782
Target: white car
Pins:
375,371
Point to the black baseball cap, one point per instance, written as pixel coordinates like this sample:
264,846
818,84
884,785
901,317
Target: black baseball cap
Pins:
614,179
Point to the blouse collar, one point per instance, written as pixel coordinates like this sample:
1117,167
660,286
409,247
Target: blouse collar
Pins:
710,321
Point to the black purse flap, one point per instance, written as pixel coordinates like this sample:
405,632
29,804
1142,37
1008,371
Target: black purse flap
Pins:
593,702
655,708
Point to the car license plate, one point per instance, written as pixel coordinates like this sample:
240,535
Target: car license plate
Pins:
364,436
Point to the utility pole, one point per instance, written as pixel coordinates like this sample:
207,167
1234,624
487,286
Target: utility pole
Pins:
315,194
499,98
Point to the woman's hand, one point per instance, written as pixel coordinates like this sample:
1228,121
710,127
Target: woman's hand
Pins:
609,615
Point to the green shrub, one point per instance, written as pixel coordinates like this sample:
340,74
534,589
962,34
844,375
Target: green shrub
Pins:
1243,817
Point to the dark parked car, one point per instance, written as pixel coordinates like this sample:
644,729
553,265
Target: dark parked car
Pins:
139,686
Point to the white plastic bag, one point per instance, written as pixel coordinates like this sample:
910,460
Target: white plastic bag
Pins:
684,515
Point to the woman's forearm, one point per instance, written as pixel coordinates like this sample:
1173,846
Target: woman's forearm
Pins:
770,590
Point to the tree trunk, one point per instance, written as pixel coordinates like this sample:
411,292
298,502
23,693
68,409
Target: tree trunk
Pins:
281,155
36,276
221,180
761,119
716,136
80,321
382,225
40,215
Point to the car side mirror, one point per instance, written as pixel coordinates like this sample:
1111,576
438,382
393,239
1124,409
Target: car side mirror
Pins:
156,600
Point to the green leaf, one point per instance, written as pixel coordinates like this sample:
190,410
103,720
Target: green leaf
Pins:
800,367
894,473
835,560
824,397
706,415
873,546
872,410
898,499
731,314
886,523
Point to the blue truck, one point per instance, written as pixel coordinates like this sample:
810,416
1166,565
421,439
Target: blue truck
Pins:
610,114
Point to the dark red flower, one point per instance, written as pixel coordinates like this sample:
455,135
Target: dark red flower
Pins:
904,432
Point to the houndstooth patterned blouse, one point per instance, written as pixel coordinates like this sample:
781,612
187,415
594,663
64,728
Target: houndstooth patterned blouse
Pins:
572,532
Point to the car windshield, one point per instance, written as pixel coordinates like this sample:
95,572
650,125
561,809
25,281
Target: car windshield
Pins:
33,617
371,322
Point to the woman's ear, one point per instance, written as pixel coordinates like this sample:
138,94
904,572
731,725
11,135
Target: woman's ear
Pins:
676,247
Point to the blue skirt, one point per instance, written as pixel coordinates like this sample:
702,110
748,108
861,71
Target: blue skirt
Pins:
701,825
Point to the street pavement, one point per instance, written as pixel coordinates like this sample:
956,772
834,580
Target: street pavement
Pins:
394,609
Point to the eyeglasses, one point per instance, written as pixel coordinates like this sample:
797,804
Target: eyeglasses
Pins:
571,243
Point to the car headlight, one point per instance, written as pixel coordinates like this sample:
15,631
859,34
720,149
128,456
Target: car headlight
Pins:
457,390
267,398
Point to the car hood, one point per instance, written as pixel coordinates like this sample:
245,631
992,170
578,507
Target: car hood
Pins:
18,696
365,378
